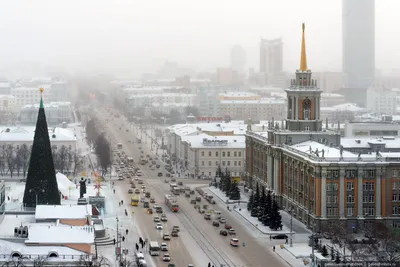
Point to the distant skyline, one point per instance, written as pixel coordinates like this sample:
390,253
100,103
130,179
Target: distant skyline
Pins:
138,35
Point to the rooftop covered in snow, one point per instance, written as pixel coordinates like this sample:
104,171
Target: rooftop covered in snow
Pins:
26,134
59,234
207,141
54,212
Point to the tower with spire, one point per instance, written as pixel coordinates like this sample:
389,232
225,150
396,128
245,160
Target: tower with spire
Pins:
41,183
303,108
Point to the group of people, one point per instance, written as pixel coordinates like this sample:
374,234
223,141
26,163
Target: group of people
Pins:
141,242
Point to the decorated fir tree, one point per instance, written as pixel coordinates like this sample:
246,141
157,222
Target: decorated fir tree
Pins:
275,217
41,183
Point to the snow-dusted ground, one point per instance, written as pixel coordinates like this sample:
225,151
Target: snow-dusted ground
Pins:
221,195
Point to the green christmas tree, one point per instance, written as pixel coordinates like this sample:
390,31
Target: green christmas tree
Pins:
235,191
41,183
275,217
250,203
256,202
267,209
261,205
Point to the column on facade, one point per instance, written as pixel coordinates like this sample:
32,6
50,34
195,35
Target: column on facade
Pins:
269,169
296,109
276,172
323,192
360,193
342,192
319,108
316,108
378,180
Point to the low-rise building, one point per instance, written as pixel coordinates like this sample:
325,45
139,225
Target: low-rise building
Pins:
7,104
30,95
56,113
381,101
206,153
75,215
342,112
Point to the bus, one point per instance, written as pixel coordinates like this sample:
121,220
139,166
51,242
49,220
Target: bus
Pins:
154,248
171,203
135,201
119,146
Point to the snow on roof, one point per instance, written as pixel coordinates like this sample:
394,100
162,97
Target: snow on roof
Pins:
7,247
170,104
22,134
314,148
332,95
344,107
365,142
238,128
44,212
231,141
261,101
60,234
237,94
47,105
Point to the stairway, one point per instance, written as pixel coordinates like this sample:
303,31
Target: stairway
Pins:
104,241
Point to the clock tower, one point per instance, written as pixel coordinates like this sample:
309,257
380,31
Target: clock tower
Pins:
303,97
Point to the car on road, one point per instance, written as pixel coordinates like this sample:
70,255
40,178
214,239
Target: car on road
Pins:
234,242
133,186
228,226
152,200
130,191
164,247
280,236
167,175
164,217
180,183
198,199
231,231
140,182
215,223
159,174
187,194
150,211
174,233
222,220
159,226
120,178
223,232
193,201
147,194
175,228
166,257
137,191
166,181
156,219
207,216
143,187
173,180
166,236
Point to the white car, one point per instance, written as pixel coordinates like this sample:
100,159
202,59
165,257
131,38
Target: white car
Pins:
156,219
166,257
159,226
164,247
143,187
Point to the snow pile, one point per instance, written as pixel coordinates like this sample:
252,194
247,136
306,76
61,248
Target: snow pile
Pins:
64,184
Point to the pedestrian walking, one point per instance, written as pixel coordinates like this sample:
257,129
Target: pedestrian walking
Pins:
273,248
140,240
127,231
122,202
270,237
114,191
286,241
114,241
123,239
209,264
137,247
143,244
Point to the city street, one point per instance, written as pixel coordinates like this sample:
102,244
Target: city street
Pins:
196,234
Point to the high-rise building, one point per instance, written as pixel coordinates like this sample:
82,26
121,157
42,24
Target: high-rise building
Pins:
358,43
238,58
271,56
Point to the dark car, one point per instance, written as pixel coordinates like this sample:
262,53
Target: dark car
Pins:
280,236
223,232
159,174
215,223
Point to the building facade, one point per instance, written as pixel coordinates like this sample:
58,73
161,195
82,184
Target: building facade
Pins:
381,101
30,95
56,113
314,176
271,56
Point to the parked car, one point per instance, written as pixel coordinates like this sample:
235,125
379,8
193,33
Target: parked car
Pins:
280,236
223,232
180,183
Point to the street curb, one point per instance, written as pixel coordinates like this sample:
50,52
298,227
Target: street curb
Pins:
283,258
229,202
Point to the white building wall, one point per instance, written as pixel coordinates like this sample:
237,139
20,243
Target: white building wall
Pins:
381,101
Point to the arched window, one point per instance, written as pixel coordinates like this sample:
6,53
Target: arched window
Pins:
16,254
306,109
53,254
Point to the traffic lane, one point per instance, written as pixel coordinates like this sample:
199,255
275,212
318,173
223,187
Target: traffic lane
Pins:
177,249
254,247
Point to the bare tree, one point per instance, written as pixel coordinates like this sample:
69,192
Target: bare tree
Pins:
100,261
22,159
10,156
341,238
78,161
60,158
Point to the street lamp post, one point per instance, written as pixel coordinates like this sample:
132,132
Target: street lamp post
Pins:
312,245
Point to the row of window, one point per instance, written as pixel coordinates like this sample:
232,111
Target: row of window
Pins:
350,211
224,163
349,173
350,199
234,174
224,154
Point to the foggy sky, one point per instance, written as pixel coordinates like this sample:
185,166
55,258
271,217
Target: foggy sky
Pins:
142,34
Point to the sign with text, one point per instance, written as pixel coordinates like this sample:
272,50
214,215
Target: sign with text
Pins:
214,142
215,119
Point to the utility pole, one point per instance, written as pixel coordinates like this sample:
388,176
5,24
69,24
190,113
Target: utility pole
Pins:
291,226
118,250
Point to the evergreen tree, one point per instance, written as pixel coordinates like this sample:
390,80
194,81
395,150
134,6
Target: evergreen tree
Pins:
324,251
218,174
332,254
41,183
276,217
262,203
228,184
267,209
235,191
250,203
256,202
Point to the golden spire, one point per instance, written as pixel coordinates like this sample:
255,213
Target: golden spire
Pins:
303,59
41,90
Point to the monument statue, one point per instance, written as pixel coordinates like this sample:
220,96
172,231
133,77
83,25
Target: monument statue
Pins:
82,188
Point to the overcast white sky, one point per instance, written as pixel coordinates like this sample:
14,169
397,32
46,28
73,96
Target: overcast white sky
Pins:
141,34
